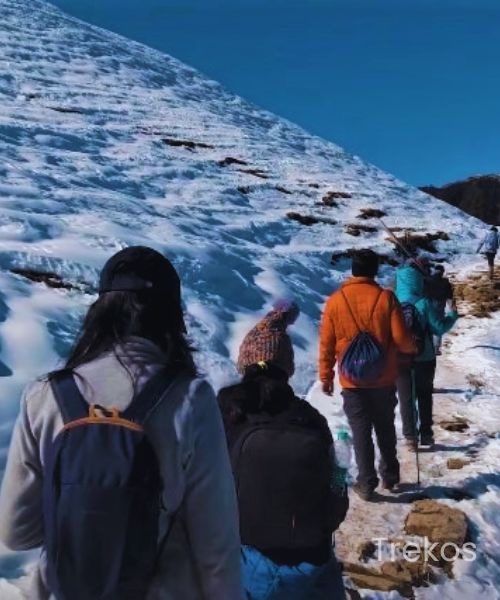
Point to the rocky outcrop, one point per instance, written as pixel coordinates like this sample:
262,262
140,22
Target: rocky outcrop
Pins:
437,522
400,575
477,196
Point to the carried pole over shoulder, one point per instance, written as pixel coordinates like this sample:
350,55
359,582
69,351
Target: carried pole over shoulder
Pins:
401,246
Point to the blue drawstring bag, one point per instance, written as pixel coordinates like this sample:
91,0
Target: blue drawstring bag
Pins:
364,359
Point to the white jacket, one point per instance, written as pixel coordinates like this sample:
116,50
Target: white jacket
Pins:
201,560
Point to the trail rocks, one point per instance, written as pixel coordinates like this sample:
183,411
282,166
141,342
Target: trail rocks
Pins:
457,463
455,424
438,522
399,576
366,550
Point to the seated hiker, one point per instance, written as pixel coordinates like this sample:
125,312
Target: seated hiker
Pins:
416,375
363,330
283,462
118,465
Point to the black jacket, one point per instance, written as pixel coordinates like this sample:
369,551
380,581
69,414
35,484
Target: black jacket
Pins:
264,395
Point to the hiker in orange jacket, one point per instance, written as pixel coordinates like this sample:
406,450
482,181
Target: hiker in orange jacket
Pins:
362,305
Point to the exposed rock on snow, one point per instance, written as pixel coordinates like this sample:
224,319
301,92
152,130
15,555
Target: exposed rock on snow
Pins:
457,463
400,575
438,522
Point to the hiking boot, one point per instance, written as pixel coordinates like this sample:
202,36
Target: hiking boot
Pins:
427,440
390,485
410,443
363,492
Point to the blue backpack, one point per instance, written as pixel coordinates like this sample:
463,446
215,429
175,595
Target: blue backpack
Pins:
364,359
102,496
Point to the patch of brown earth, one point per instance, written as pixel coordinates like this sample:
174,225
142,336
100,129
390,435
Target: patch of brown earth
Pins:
371,213
356,230
188,144
66,109
480,294
455,424
457,463
255,172
244,189
283,190
413,242
52,280
230,160
309,220
330,198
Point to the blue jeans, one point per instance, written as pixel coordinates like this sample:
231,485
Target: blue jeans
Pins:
265,580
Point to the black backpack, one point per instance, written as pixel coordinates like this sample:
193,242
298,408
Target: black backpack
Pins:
414,324
283,475
102,496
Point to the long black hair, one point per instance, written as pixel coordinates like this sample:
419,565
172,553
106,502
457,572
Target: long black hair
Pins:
262,390
117,315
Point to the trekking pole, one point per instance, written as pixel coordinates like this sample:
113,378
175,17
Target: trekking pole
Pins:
415,419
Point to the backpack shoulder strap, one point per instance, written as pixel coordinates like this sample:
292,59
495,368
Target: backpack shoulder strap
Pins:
376,304
381,291
70,401
150,396
350,310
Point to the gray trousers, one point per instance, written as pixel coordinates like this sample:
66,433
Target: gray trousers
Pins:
371,410
420,408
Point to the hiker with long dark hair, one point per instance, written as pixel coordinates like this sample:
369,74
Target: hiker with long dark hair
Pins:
283,461
439,290
118,466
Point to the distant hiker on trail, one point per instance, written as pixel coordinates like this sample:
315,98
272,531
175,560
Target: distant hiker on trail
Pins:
416,376
363,330
439,291
489,247
118,465
283,461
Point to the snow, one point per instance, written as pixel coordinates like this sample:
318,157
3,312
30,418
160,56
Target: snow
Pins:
85,171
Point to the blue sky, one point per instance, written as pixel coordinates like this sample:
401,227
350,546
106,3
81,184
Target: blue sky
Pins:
411,85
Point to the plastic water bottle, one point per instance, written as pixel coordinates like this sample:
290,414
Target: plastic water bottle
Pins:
343,453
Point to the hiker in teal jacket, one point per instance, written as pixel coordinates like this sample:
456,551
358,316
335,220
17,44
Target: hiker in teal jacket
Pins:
410,289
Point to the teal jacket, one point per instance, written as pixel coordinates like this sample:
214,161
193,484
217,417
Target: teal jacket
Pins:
410,288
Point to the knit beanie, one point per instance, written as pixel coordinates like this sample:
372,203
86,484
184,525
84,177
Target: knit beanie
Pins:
269,341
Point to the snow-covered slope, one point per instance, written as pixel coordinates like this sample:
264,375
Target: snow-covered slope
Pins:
105,143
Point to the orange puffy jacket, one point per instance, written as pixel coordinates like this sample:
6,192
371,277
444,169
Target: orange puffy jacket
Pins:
387,325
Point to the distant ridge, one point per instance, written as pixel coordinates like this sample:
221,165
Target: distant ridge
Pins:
478,196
